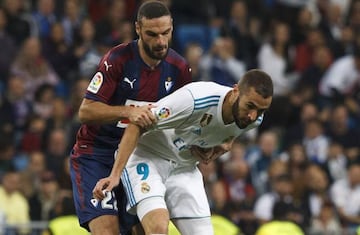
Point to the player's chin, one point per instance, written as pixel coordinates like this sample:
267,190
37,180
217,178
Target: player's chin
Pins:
161,54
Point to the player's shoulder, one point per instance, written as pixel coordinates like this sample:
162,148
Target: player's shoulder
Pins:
206,88
211,86
175,58
120,53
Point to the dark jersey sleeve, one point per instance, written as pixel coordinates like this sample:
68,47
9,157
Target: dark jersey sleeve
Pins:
185,76
104,82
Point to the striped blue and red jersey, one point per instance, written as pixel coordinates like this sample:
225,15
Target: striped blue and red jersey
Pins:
122,78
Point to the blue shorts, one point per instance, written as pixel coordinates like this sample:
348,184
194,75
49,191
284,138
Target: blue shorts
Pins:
85,171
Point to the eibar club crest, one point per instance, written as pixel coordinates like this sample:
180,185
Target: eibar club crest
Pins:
206,119
168,84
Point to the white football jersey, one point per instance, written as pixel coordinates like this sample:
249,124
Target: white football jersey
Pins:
190,116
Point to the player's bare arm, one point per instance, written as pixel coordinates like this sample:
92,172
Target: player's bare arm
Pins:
206,155
126,147
97,112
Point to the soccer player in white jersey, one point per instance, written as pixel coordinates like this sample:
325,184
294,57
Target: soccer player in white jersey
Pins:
158,167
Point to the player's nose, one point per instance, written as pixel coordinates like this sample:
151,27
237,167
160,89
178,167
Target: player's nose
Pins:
252,115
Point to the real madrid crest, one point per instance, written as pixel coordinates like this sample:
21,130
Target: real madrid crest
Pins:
206,119
145,188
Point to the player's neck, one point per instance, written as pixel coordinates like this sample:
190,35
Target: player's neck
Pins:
152,63
227,114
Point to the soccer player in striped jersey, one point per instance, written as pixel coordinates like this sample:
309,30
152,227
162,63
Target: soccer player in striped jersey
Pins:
161,178
128,76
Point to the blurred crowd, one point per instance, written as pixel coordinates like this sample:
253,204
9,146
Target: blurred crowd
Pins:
306,153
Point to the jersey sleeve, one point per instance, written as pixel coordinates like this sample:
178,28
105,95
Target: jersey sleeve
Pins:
104,82
174,109
185,76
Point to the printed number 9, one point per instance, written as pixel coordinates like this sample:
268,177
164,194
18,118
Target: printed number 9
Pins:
143,169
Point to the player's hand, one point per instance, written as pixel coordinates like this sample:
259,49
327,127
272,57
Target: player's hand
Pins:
206,155
203,154
105,185
142,116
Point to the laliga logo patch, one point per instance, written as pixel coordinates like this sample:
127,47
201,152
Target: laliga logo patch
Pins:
96,83
145,188
163,113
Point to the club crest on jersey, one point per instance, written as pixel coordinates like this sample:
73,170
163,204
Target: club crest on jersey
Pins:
96,82
163,113
145,188
168,84
206,119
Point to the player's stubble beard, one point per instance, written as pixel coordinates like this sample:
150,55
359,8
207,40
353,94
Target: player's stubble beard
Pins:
150,51
235,110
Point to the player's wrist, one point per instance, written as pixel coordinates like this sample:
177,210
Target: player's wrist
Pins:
125,112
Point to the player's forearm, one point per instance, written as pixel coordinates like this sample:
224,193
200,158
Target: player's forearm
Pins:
93,112
126,147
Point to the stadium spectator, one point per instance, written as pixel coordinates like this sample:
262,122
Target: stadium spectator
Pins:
340,82
244,28
12,202
295,132
220,64
315,142
282,222
60,56
274,57
342,130
43,18
32,67
345,194
31,175
19,108
56,151
281,189
43,203
260,157
19,20
71,20
193,54
337,162
327,222
9,49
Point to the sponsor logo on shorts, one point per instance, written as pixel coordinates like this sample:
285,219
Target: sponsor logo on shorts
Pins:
96,83
94,202
145,188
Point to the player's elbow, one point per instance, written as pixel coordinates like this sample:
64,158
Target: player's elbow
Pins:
84,116
86,112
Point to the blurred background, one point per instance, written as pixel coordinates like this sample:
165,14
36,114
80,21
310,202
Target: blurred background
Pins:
306,153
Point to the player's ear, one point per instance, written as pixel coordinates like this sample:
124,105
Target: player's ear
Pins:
137,28
236,89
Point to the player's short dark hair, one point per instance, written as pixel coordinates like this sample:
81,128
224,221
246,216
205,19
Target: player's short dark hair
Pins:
152,9
259,80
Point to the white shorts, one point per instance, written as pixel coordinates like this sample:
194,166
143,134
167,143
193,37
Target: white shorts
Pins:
182,187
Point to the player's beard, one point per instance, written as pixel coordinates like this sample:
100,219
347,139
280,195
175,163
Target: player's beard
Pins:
237,119
151,52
